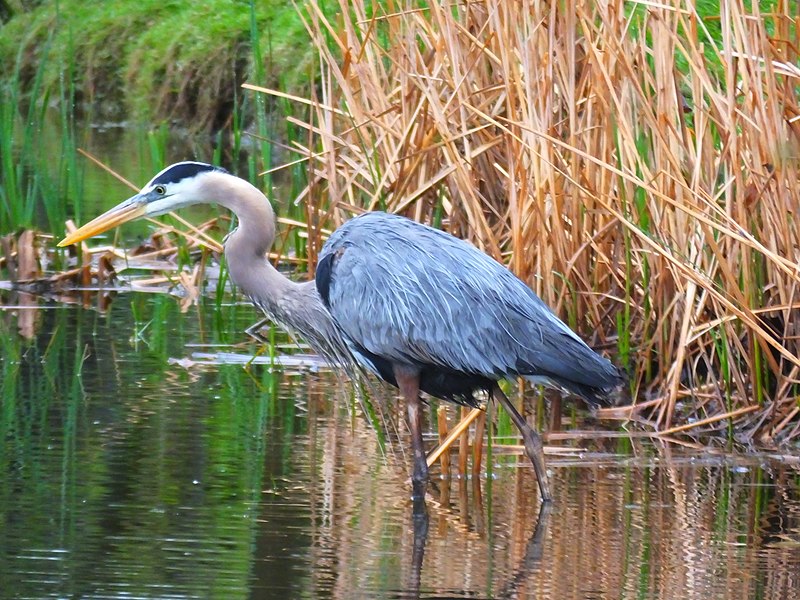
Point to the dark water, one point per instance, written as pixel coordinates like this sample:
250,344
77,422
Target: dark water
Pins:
125,474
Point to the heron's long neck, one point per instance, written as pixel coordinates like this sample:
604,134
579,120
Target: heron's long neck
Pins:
247,246
294,305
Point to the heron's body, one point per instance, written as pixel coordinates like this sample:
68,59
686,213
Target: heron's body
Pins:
422,309
405,293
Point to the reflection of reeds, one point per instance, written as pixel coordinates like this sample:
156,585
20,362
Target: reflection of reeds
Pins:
634,169
652,524
265,479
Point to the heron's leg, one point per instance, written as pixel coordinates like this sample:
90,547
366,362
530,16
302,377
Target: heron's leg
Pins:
408,382
533,443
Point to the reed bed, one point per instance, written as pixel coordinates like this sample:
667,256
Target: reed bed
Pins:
634,163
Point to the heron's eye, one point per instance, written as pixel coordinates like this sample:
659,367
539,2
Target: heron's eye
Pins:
160,190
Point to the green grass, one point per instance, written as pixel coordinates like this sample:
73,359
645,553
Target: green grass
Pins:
41,175
154,60
174,65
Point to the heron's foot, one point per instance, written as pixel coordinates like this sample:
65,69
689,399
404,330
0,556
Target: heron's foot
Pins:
535,451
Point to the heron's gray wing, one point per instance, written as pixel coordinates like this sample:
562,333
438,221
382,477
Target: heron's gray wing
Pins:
413,294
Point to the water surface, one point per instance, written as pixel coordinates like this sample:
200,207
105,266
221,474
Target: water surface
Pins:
129,471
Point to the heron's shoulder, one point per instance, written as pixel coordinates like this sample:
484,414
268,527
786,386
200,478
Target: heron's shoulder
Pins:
368,225
393,252
387,231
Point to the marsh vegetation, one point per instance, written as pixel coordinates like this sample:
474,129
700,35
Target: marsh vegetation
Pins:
635,164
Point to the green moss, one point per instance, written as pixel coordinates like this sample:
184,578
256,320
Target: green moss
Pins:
154,60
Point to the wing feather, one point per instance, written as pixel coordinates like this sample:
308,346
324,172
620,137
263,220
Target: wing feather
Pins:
415,295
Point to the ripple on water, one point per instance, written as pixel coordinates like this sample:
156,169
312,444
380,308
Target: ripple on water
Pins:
148,478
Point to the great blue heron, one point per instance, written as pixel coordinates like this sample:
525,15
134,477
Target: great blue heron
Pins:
423,310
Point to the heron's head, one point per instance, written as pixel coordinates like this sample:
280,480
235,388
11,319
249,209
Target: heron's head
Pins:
176,186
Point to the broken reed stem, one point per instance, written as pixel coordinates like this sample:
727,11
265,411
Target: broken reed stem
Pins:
441,415
200,237
728,415
107,169
477,444
625,412
454,434
463,442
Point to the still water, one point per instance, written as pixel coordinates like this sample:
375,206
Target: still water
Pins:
130,470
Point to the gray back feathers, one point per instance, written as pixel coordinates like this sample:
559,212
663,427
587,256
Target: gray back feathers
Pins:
416,295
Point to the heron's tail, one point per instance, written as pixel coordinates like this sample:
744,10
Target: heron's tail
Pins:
612,389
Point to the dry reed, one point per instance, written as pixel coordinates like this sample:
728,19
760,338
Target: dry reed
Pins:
638,173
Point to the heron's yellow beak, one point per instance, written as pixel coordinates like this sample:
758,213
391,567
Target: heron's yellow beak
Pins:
130,209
